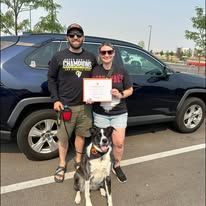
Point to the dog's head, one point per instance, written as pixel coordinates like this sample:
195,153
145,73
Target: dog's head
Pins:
101,137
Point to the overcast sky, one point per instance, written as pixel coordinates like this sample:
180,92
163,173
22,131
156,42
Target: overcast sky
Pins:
129,20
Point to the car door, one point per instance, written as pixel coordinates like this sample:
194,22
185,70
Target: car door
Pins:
154,90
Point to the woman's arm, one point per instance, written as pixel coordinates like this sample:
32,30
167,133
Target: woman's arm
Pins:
122,94
126,93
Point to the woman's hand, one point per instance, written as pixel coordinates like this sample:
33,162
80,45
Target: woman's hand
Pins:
116,93
124,94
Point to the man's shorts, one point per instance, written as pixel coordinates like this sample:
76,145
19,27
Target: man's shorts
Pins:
116,121
80,123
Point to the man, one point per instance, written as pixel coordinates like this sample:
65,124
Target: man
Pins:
65,81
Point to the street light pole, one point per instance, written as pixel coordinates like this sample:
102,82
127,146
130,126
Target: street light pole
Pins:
29,9
52,16
150,33
30,16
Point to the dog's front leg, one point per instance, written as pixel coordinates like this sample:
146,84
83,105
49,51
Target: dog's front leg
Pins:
78,198
87,193
108,189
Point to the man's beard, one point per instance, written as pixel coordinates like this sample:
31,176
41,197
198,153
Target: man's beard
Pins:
76,46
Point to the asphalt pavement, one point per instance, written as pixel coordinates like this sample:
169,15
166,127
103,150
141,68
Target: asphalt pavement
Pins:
164,168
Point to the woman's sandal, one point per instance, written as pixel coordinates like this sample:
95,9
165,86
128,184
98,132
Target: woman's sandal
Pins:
57,174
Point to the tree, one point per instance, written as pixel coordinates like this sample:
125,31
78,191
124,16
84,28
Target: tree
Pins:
199,23
9,21
141,44
171,53
167,54
50,22
46,25
161,53
188,53
179,53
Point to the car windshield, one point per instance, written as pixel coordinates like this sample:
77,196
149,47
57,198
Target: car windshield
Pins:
7,41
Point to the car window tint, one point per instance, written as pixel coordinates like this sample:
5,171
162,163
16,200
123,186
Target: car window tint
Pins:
7,41
137,62
93,48
41,57
63,45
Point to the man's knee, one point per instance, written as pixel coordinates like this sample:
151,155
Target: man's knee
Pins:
63,143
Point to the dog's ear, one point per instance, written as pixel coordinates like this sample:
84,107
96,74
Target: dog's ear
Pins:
93,130
110,130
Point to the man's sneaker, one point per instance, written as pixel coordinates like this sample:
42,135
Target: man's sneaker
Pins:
119,173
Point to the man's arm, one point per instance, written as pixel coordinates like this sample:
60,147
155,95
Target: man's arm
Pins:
52,79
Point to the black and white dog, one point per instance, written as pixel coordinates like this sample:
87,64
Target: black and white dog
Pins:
95,167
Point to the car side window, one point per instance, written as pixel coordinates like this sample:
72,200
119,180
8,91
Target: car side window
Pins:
41,57
89,46
93,48
63,45
137,62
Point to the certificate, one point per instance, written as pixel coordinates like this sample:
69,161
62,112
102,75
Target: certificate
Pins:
97,89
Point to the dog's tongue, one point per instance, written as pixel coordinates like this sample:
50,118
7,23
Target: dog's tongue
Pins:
104,148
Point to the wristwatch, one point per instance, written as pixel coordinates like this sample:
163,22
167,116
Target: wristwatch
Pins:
122,93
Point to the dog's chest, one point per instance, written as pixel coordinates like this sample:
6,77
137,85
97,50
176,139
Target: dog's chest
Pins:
100,168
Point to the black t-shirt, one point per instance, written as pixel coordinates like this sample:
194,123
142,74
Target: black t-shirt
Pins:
120,81
66,73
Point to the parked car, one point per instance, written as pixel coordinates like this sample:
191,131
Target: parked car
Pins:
160,94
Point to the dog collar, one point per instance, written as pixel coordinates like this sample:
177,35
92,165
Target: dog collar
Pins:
94,153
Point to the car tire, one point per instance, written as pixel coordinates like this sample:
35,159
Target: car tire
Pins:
190,116
36,136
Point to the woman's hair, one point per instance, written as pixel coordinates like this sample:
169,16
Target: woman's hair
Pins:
106,44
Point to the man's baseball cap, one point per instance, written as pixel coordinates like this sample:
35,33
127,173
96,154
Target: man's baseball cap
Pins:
74,27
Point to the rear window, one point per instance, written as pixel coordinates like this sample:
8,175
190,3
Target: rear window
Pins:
7,41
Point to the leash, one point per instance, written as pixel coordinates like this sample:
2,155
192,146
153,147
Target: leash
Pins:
59,119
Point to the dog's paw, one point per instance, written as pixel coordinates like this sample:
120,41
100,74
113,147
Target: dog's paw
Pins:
78,198
110,202
102,191
88,203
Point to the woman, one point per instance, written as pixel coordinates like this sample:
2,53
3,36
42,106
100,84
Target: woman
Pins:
113,113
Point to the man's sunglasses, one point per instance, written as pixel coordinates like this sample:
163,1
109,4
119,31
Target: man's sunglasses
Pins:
109,52
72,35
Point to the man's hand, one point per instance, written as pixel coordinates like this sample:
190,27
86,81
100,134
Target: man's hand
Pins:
58,106
89,101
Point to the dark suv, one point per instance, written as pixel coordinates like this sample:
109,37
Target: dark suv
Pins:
160,94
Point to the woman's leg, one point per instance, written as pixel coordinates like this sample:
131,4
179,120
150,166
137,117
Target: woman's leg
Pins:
119,122
118,138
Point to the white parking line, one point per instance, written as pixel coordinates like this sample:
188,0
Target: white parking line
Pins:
48,180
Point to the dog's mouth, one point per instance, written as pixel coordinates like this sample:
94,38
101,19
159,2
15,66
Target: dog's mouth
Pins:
104,148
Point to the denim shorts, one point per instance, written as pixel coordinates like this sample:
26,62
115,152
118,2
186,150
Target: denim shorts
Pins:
116,121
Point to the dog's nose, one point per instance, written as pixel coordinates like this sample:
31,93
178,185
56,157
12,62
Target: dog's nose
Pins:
104,141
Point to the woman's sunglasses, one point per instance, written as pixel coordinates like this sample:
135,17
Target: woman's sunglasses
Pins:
79,35
109,52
